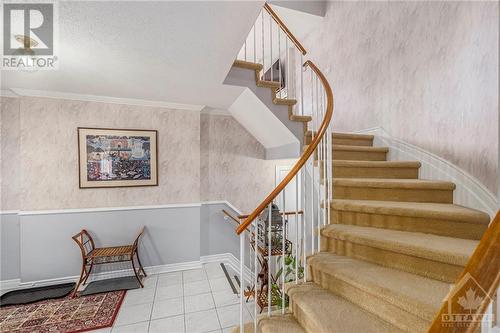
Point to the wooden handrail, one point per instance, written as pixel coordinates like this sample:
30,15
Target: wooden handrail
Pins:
305,156
284,28
230,216
281,213
484,267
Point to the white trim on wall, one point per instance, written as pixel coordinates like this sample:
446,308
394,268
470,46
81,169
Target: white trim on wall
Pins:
469,192
104,99
106,209
8,93
110,209
226,258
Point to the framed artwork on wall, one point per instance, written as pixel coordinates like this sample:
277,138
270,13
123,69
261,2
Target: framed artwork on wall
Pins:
117,157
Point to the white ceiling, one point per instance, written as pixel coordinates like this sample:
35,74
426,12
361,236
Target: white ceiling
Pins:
177,52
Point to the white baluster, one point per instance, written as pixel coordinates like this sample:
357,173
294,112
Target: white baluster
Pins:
312,166
296,228
254,45
287,76
283,245
269,283
304,219
279,61
263,45
301,84
242,278
271,44
255,290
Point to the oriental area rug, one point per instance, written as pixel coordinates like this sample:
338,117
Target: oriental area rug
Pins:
65,315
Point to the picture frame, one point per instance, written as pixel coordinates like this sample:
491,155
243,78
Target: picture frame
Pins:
110,157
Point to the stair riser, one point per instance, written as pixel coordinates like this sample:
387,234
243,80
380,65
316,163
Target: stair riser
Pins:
393,194
353,142
347,142
411,224
359,155
301,317
416,265
380,307
360,172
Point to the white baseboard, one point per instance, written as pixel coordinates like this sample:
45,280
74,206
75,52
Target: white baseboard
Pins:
469,192
226,258
10,284
230,260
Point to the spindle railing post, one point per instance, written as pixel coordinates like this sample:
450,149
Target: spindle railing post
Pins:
314,169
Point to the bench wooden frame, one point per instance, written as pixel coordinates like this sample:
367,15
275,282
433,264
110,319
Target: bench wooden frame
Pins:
106,255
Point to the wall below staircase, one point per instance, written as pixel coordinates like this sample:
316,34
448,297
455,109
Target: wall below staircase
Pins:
427,72
41,206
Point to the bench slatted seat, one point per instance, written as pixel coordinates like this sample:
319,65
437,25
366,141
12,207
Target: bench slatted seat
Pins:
105,255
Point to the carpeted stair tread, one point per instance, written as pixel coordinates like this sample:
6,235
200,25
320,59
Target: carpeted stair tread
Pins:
415,294
360,148
247,65
455,251
394,183
320,311
413,209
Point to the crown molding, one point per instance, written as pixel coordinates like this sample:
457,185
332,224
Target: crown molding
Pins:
216,112
104,99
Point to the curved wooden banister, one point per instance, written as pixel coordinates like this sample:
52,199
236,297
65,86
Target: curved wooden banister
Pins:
484,267
305,156
284,28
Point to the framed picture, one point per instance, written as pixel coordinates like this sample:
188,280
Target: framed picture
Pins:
117,157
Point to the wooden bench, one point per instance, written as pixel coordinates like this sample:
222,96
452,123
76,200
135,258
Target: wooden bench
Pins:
106,255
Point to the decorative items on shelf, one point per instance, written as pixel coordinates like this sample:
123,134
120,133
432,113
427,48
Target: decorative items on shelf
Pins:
276,228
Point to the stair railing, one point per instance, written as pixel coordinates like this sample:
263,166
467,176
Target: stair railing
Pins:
484,268
273,259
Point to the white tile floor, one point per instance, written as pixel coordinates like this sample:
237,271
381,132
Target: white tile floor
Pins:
198,300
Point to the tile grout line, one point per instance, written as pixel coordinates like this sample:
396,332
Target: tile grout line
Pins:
153,304
213,298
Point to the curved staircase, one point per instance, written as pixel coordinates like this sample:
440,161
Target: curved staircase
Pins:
381,247
387,260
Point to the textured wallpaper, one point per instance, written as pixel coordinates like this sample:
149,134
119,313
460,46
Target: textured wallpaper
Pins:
49,154
425,71
9,161
202,157
232,164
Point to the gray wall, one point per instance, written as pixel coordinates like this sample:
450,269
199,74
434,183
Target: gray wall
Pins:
39,246
9,246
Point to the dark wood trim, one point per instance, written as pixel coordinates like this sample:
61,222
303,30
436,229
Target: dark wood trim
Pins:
116,129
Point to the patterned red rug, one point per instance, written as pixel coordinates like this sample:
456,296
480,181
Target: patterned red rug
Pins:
63,315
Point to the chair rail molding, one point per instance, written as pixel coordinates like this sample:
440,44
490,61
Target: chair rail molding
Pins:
469,192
